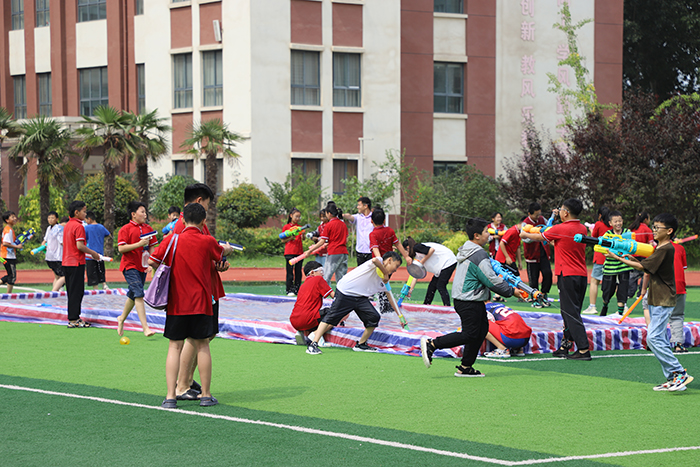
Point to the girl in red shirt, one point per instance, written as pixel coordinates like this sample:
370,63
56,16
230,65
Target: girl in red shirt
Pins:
498,226
335,238
293,248
643,234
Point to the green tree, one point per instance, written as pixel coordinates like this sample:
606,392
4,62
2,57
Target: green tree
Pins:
8,129
30,210
208,139
246,206
108,131
92,193
172,193
151,146
46,144
299,190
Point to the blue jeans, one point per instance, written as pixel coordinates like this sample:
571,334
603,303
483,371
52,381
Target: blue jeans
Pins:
135,280
657,339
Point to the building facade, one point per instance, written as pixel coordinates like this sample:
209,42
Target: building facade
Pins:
325,86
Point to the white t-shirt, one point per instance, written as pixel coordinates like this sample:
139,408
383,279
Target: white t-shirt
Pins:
362,281
54,243
442,258
363,226
8,238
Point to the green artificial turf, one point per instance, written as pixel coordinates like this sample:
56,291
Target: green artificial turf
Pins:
520,410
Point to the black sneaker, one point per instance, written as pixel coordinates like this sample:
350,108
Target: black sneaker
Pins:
313,349
563,350
364,347
678,348
468,372
426,351
579,356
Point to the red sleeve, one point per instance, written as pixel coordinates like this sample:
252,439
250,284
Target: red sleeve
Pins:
394,239
326,231
121,237
322,287
79,233
510,235
373,241
215,250
286,227
159,252
554,233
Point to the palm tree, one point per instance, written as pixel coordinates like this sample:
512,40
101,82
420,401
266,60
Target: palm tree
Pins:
109,130
210,138
45,141
151,145
8,129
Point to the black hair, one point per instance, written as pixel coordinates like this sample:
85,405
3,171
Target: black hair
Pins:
322,213
289,218
91,215
134,206
194,213
496,214
574,206
174,209
378,216
392,255
334,210
533,207
409,244
612,214
639,219
523,218
76,205
476,225
53,213
197,190
7,214
63,219
311,266
604,213
365,200
669,221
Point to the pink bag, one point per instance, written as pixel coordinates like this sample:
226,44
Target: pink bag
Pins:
157,294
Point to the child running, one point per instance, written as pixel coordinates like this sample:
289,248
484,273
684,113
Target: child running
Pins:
307,311
662,300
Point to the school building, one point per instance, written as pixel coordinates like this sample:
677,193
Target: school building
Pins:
323,85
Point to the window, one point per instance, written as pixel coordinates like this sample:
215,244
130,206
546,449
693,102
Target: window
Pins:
91,10
343,170
306,87
139,7
141,83
219,174
42,13
44,94
448,6
440,168
17,13
20,83
182,81
448,87
307,168
346,80
184,168
213,79
93,89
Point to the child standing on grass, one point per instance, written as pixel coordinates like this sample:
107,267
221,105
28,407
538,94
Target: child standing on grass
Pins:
473,279
495,239
615,274
53,239
131,246
335,238
292,248
190,311
8,250
601,226
662,300
307,311
96,234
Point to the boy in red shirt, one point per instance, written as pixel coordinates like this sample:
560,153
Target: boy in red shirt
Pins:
570,269
507,330
537,255
132,248
74,251
292,248
598,230
307,311
382,239
190,297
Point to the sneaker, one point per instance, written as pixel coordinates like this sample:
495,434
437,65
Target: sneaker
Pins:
678,348
591,310
426,351
468,372
517,352
563,349
364,347
290,294
663,387
680,381
536,305
579,356
300,338
322,343
498,353
312,349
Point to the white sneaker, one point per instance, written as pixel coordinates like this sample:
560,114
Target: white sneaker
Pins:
591,310
300,338
322,343
290,294
498,353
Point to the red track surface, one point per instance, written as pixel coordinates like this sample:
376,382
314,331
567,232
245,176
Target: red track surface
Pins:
41,276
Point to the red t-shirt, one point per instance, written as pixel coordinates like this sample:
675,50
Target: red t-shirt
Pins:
532,250
384,238
191,289
294,246
599,230
305,314
511,242
680,264
73,233
323,251
570,256
494,240
643,234
336,233
513,327
129,234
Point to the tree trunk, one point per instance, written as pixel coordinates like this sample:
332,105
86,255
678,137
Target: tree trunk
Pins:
142,179
44,206
110,191
212,176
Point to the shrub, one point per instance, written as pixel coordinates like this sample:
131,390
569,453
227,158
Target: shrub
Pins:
92,194
456,241
245,206
171,193
29,212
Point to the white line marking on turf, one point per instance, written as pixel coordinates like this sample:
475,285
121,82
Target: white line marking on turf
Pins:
353,437
554,359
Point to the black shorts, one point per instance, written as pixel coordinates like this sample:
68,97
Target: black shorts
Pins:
57,268
11,268
179,328
95,272
215,319
344,304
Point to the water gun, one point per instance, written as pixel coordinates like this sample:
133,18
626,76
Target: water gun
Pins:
405,289
24,237
312,234
294,231
500,233
169,228
686,239
145,255
296,259
106,259
618,244
516,282
392,300
38,249
235,246
529,228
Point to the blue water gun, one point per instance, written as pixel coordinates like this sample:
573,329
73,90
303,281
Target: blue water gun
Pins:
405,290
516,282
294,231
169,228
